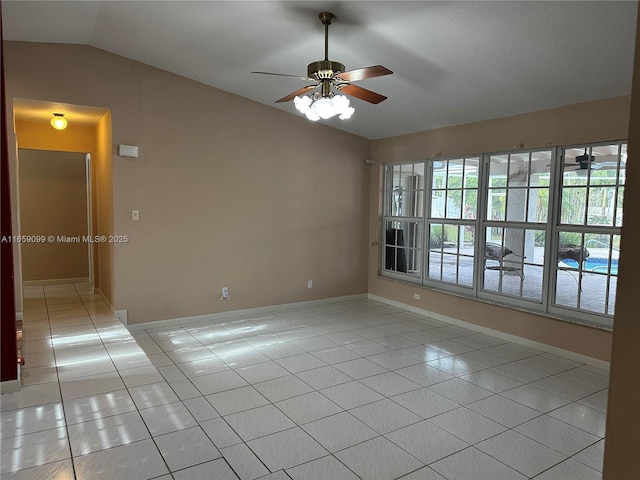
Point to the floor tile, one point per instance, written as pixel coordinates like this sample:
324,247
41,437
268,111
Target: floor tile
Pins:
426,441
385,416
60,470
424,473
325,468
218,469
460,391
360,368
471,463
309,407
186,448
32,419
564,388
351,394
424,375
324,377
94,384
425,403
262,372
587,378
244,462
107,432
236,400
135,377
258,422
145,396
558,435
536,398
393,360
520,453
218,382
550,367
378,458
390,383
283,388
205,366
597,401
491,381
300,363
286,449
167,418
200,409
570,469
335,355
34,449
592,456
504,411
339,431
97,406
585,418
467,425
220,433
521,373
136,460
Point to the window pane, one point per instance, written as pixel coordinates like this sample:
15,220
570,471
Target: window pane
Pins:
471,166
516,204
403,242
538,205
470,208
572,210
496,204
514,262
454,204
601,206
451,252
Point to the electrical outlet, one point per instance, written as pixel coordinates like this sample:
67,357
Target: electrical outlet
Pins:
416,296
309,283
225,293
135,215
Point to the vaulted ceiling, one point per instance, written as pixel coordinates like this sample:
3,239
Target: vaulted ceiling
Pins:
453,62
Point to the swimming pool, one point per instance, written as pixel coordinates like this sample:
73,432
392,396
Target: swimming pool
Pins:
595,264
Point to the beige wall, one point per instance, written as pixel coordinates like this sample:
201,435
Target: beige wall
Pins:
103,206
588,122
230,192
53,202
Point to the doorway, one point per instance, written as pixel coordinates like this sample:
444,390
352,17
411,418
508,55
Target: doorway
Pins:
55,217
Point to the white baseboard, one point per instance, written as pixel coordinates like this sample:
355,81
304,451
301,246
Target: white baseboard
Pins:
578,357
136,327
10,386
54,281
122,315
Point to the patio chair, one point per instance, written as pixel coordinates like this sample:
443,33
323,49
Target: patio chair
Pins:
573,253
496,253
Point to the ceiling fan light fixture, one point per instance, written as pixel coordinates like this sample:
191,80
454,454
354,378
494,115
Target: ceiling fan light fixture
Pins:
323,107
58,121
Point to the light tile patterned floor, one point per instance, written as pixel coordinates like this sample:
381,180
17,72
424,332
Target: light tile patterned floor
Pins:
355,389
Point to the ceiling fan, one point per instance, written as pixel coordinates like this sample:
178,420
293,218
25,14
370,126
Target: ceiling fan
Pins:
585,162
330,77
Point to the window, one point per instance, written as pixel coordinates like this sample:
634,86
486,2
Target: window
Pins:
452,220
539,229
404,193
588,234
515,224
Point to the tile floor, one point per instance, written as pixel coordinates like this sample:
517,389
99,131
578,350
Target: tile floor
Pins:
347,390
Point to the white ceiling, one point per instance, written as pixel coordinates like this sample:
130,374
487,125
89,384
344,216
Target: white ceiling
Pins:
453,62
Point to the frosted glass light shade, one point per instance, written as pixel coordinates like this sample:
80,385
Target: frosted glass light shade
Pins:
58,121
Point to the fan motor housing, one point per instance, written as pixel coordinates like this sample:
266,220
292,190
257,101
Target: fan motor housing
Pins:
324,69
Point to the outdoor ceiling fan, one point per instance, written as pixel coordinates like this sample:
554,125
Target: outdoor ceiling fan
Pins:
331,78
586,162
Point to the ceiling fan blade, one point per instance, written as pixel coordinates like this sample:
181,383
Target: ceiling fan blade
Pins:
362,93
298,92
363,73
284,75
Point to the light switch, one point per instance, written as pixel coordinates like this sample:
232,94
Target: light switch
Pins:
135,214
